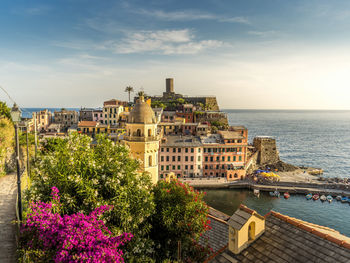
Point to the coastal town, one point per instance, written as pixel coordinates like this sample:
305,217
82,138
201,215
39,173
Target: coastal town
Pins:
186,136
188,139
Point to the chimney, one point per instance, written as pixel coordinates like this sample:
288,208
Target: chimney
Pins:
169,85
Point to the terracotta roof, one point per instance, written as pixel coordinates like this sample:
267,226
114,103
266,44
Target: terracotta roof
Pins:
286,239
227,135
87,124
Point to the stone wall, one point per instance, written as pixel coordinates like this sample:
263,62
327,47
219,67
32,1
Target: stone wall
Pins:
268,153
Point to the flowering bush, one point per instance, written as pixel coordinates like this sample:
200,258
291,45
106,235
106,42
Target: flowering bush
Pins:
46,236
91,176
181,216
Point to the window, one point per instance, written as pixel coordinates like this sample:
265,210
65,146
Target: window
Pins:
199,167
191,167
149,132
199,150
192,158
206,158
179,167
240,158
167,150
206,167
217,158
186,167
186,158
179,150
234,158
186,150
138,133
223,158
192,150
173,167
240,149
167,167
174,150
162,149
199,158
211,158
150,160
162,167
162,158
167,158
179,158
217,166
223,166
228,158
173,158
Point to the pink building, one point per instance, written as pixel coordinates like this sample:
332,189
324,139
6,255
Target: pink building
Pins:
182,155
97,115
225,154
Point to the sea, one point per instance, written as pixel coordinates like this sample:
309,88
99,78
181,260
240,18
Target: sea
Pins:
315,138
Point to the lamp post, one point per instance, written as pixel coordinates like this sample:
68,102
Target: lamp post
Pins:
16,117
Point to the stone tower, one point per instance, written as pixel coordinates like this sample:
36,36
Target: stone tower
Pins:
142,137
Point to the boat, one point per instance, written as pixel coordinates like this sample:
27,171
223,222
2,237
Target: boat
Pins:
323,198
344,199
338,198
315,197
275,194
308,196
286,195
257,192
329,198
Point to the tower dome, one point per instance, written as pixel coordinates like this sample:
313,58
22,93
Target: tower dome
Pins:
142,113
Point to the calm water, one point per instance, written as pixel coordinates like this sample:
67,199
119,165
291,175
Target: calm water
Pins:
312,138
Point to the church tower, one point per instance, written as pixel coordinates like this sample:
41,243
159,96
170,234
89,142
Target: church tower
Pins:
142,137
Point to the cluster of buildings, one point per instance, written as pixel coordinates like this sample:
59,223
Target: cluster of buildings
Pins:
187,136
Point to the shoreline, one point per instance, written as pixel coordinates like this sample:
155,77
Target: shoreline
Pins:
296,182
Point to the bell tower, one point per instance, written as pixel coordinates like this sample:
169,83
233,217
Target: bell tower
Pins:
142,136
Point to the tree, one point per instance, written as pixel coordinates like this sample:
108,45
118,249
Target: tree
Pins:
129,89
181,216
5,111
89,177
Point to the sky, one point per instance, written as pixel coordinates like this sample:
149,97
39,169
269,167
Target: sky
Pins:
251,54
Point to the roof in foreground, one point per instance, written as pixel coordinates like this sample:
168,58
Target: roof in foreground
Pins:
286,239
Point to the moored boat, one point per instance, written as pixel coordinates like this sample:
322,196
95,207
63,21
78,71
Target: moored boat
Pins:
338,197
257,192
277,194
344,199
286,195
308,196
315,197
323,198
272,193
329,198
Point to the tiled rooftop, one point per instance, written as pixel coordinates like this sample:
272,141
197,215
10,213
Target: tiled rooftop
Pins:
286,239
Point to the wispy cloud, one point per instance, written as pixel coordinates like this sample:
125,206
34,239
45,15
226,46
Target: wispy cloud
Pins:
162,42
32,11
262,33
189,15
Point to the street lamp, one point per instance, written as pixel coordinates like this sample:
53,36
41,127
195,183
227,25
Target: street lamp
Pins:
16,117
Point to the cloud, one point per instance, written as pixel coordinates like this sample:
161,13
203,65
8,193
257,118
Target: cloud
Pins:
189,15
262,33
162,42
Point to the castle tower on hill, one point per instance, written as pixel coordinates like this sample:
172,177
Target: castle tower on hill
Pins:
142,137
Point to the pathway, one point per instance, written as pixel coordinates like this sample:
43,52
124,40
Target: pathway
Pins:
7,215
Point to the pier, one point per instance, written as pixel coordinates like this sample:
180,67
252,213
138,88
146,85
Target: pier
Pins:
291,187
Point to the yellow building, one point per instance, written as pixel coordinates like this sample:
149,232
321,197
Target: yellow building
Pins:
142,137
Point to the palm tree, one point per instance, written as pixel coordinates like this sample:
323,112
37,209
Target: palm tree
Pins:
129,89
